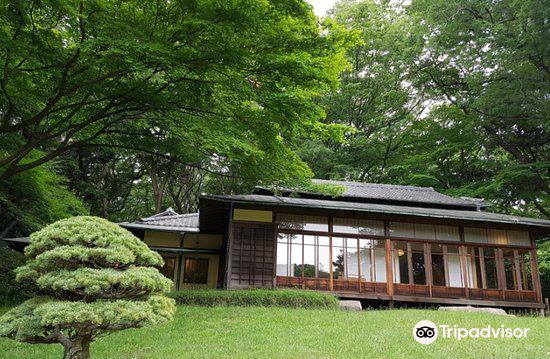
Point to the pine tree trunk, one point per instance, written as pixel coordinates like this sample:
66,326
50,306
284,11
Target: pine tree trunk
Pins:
79,348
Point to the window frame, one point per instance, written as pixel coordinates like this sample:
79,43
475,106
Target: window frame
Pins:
463,252
198,259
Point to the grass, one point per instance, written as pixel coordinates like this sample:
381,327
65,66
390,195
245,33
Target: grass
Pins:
235,332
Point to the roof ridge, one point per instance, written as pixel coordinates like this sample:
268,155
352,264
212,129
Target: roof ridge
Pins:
371,184
391,192
167,216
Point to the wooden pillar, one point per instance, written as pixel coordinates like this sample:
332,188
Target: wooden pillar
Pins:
446,266
331,275
517,270
428,266
535,269
230,234
303,266
482,268
389,267
372,263
501,272
330,279
359,263
179,261
409,263
462,251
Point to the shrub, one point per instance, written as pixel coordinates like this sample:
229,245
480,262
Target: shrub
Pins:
98,278
256,297
12,291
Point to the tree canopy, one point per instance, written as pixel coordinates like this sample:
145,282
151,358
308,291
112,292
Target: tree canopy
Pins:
448,94
215,86
134,106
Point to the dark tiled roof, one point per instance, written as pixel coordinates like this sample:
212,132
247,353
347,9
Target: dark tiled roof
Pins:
168,220
478,216
398,193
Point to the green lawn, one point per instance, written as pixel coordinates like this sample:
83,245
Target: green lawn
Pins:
233,332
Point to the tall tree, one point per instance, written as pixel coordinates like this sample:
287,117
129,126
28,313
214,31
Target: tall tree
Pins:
375,99
103,178
491,60
233,78
444,94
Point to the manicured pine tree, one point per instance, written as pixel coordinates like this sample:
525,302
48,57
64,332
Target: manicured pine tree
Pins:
96,278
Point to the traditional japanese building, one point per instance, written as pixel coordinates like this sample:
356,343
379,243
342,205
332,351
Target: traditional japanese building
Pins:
378,242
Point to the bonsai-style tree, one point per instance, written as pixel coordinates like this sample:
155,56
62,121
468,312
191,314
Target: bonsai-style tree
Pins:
96,277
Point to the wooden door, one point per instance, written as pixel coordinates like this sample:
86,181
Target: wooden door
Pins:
251,255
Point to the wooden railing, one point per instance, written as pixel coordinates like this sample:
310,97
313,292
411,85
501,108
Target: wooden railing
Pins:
413,290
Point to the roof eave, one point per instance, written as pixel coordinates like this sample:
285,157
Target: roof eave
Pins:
366,199
408,211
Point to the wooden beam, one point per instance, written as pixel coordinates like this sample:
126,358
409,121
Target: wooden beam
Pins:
459,301
347,213
227,284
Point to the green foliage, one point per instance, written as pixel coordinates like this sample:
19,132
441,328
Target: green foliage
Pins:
490,62
543,255
231,81
12,291
32,200
97,277
29,320
447,94
91,241
307,186
256,298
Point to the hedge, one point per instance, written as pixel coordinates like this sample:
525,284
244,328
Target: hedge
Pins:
256,297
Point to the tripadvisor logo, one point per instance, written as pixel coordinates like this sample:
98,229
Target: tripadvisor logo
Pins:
425,332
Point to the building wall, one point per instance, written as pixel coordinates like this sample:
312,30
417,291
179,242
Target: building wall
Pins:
162,239
252,215
213,263
170,240
203,241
